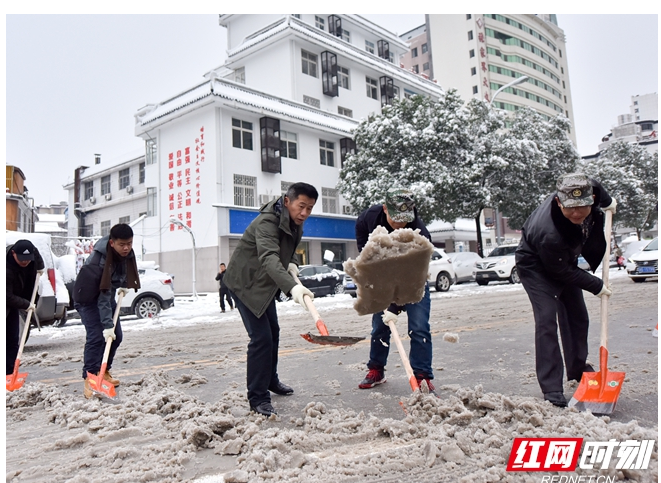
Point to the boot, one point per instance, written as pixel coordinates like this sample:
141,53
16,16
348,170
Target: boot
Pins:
87,390
108,377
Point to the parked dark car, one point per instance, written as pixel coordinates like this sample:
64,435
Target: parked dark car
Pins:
321,280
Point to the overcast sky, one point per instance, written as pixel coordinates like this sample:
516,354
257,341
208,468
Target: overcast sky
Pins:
74,82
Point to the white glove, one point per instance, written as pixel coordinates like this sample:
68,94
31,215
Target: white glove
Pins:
293,269
33,307
41,272
109,333
605,291
122,290
612,206
297,294
388,317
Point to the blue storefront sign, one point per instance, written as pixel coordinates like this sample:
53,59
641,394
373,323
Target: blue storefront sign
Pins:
314,227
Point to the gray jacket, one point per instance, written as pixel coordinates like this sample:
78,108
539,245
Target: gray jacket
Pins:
258,267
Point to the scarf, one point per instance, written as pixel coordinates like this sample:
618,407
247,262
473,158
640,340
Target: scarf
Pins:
112,257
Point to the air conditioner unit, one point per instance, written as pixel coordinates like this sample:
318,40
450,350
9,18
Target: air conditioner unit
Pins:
346,209
129,189
263,199
92,200
108,197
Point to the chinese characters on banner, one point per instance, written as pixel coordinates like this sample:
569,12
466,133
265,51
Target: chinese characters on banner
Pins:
183,184
482,47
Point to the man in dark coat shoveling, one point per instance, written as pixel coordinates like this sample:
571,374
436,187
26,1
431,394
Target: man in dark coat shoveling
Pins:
567,224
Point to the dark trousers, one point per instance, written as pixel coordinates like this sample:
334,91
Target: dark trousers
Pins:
95,344
568,312
225,293
264,333
13,339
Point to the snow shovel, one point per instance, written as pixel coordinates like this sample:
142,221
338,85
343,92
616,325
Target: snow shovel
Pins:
598,391
405,360
15,380
324,338
97,383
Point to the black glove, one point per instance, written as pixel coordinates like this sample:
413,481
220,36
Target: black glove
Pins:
396,309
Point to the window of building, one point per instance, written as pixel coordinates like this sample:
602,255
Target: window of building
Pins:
327,153
124,178
635,110
346,35
369,46
89,189
474,89
105,228
125,219
391,57
372,87
141,173
468,16
105,185
296,15
343,77
635,103
328,200
414,52
470,35
647,126
240,75
424,48
150,151
309,63
87,230
344,111
288,145
471,53
241,134
473,70
319,22
425,66
408,94
152,202
415,69
562,70
244,190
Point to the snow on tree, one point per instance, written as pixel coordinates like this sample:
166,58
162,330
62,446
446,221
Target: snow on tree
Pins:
629,172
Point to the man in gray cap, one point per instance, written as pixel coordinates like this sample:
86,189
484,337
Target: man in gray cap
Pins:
397,212
567,224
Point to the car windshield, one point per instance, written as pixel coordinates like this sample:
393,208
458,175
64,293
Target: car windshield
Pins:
654,245
502,251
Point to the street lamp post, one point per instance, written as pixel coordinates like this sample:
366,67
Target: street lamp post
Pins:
190,232
515,82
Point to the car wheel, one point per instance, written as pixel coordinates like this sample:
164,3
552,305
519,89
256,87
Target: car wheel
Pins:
514,277
147,307
339,288
638,280
443,282
482,282
61,321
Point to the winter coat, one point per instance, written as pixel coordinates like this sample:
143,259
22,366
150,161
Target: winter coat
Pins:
20,281
551,244
258,267
86,289
219,278
374,216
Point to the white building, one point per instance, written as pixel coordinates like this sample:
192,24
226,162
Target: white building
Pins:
280,110
478,54
640,126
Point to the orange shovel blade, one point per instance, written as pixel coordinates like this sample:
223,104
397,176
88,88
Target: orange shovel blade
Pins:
100,386
15,381
598,391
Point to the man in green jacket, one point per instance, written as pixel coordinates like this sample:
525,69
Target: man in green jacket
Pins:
262,264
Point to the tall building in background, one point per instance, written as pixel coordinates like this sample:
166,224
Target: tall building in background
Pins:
417,59
477,54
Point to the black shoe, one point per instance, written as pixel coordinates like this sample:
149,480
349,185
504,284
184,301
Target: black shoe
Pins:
556,398
589,368
265,409
281,389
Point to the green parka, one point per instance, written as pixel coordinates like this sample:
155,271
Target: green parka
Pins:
258,267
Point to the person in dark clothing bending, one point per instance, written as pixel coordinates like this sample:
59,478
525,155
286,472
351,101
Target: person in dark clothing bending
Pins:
23,263
223,291
567,224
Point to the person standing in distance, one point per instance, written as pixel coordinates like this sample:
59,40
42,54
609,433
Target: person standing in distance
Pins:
223,291
397,212
23,263
110,267
261,266
569,223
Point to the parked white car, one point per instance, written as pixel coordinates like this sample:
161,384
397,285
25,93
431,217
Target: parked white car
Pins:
464,265
645,263
156,293
498,266
441,272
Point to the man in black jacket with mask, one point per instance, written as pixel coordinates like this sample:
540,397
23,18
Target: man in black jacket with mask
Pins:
567,224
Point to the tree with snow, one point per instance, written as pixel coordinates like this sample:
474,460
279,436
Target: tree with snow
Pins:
630,174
